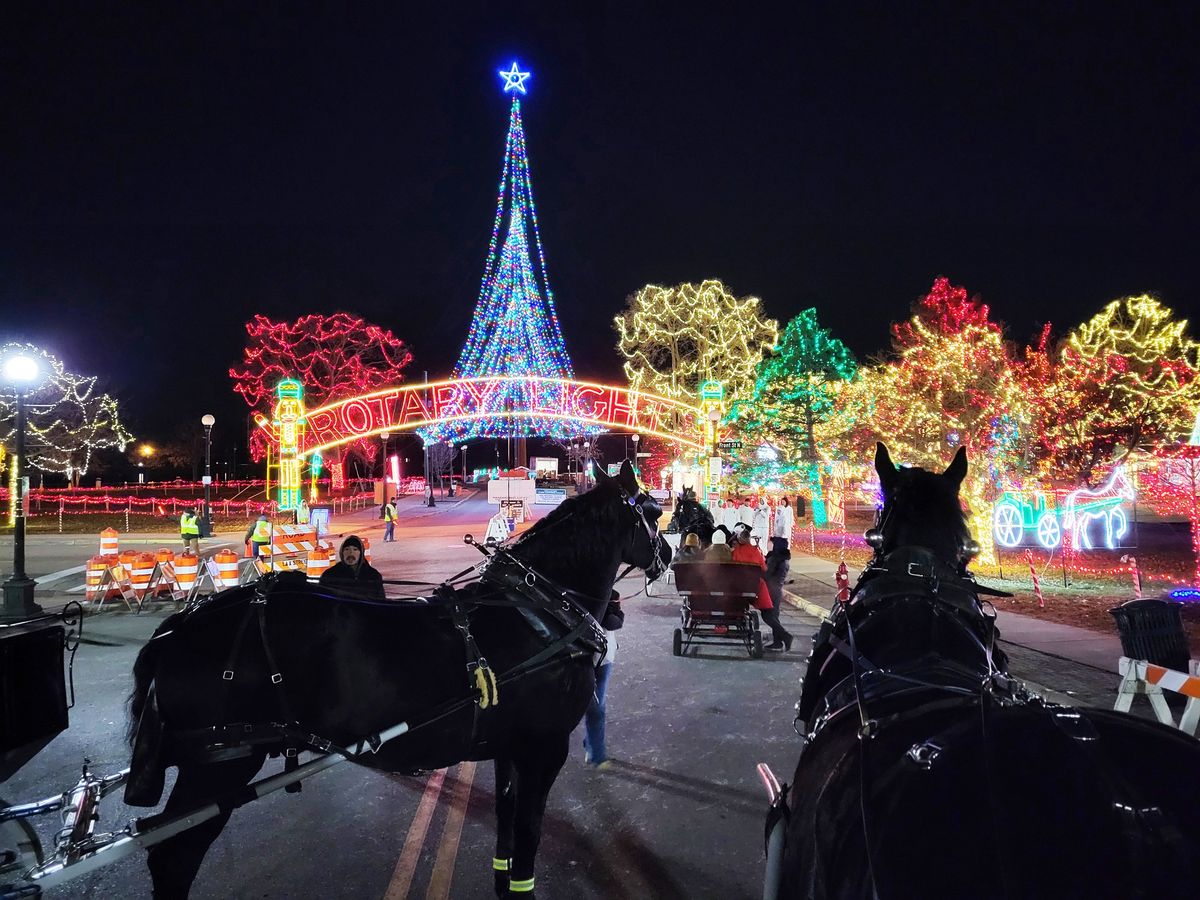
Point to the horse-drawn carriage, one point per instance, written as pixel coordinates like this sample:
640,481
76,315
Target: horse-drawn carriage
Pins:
718,605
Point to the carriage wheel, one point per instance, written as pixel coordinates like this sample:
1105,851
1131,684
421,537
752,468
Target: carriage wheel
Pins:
1006,525
20,849
756,647
1048,531
677,642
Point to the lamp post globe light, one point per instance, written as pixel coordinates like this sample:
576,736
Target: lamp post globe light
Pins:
207,420
22,372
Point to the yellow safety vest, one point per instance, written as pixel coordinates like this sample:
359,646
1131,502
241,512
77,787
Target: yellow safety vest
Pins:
262,533
389,513
189,524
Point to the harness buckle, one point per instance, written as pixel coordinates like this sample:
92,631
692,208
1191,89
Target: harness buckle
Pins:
291,752
227,675
277,678
913,566
530,579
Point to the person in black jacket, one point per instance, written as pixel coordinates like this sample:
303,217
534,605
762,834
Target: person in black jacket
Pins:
594,753
778,565
353,574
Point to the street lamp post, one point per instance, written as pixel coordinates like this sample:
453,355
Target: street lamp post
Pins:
385,437
635,438
587,463
463,448
429,501
22,372
207,421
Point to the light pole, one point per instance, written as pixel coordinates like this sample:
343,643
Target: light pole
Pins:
385,437
635,438
22,372
463,448
429,501
587,463
207,420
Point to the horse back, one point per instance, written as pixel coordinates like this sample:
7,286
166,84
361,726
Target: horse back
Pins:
1024,800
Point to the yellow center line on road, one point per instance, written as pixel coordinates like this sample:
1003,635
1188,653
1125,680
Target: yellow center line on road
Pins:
443,866
406,865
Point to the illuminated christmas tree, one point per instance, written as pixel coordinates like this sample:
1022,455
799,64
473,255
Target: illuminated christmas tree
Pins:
1172,487
515,330
675,338
794,389
950,383
1128,377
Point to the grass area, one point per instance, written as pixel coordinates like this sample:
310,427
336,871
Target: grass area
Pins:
136,523
1084,600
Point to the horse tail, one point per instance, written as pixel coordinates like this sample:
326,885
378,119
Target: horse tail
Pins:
143,675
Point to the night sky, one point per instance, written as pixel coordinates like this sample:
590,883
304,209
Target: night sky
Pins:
169,171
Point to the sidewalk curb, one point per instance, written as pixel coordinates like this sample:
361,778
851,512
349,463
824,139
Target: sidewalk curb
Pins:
815,610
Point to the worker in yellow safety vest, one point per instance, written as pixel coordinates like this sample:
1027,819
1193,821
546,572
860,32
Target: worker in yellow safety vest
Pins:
258,535
189,530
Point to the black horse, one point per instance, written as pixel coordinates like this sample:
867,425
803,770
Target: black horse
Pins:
690,517
928,772
214,678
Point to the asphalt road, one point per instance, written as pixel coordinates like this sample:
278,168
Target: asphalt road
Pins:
678,815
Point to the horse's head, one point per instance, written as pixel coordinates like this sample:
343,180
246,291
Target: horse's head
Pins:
644,549
921,509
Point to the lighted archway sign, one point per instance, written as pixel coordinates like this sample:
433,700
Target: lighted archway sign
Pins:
412,406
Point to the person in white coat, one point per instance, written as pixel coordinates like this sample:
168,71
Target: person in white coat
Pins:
785,519
760,525
729,515
746,512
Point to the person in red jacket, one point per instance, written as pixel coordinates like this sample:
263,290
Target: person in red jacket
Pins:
744,551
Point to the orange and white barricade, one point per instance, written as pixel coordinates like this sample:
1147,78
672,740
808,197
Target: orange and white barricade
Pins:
94,577
139,574
318,563
1141,677
227,568
187,566
115,582
109,539
163,581
289,548
366,549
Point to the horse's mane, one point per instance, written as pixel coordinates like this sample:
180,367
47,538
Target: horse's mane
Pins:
565,540
922,509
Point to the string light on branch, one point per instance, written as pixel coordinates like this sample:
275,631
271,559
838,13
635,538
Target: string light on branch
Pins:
67,419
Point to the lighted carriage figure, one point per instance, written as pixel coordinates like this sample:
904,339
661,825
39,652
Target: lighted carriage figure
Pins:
1017,514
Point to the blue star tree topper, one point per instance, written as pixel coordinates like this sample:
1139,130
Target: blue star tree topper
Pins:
514,80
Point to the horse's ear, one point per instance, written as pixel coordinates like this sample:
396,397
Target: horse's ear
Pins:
884,465
957,470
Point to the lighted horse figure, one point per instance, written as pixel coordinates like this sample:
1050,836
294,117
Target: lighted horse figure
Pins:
1084,505
928,772
285,666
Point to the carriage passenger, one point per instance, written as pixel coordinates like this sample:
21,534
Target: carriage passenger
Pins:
744,551
353,574
719,551
690,551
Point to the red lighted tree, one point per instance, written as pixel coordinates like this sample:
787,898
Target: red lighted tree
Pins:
1172,488
334,356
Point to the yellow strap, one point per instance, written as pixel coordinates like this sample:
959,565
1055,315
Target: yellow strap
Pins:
482,684
495,687
520,887
501,865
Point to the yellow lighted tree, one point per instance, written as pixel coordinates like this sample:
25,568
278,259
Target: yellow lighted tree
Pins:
675,338
1128,377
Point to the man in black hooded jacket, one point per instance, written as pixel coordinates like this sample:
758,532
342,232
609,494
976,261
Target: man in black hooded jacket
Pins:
353,574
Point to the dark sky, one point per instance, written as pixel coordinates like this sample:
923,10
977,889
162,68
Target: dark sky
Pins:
169,171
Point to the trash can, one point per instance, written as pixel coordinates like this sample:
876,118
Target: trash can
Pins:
1153,630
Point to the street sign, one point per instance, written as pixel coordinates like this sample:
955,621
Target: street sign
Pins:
642,455
729,445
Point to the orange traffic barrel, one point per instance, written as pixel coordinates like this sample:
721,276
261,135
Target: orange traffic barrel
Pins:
186,567
318,562
366,549
108,542
96,567
139,577
227,568
165,559
127,558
